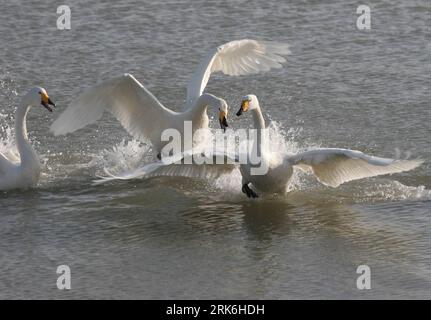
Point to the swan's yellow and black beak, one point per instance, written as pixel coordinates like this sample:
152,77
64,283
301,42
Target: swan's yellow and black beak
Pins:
244,107
46,101
222,118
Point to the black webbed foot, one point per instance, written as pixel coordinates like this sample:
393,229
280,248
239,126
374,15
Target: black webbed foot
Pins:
249,192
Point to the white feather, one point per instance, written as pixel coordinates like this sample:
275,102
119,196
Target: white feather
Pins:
333,166
239,57
144,117
138,111
22,172
213,166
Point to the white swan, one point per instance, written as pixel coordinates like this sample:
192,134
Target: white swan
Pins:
144,117
26,172
331,166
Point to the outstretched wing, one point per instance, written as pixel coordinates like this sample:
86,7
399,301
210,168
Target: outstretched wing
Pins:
236,58
138,111
334,166
209,167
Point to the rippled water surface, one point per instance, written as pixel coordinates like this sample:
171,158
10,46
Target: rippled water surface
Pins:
183,238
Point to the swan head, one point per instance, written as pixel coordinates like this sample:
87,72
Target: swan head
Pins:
208,99
223,114
249,102
38,96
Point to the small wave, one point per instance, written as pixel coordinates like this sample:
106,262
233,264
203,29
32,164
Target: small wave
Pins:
394,190
369,190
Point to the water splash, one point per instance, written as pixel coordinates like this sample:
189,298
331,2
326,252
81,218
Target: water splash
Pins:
132,154
7,142
8,92
7,134
126,155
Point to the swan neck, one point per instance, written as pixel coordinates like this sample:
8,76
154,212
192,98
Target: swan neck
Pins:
21,125
259,125
25,149
259,122
201,105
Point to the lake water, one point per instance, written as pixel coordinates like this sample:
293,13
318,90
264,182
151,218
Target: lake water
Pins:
181,238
